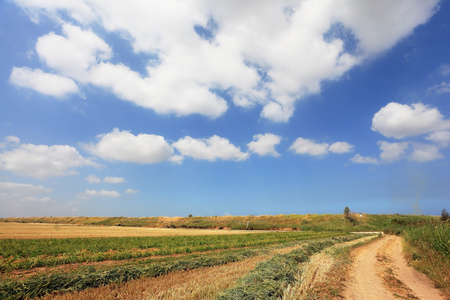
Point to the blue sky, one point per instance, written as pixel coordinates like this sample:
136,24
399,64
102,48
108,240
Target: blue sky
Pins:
212,108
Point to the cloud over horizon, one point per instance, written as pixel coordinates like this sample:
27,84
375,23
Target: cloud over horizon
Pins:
42,161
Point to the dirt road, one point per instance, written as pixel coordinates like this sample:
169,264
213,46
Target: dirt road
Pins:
381,272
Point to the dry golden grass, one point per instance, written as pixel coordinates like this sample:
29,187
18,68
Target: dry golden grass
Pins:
56,231
204,283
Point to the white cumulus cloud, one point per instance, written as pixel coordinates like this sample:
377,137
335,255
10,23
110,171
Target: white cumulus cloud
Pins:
359,159
425,153
264,144
10,140
102,193
74,53
392,151
210,149
442,138
113,179
400,120
22,192
124,146
269,54
310,147
341,147
44,83
42,161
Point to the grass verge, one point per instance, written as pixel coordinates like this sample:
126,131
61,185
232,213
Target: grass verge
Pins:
428,250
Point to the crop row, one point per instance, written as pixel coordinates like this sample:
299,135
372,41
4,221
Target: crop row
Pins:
64,282
26,254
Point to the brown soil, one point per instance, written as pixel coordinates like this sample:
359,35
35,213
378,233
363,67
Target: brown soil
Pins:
381,272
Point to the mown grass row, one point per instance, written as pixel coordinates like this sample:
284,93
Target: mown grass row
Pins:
26,254
45,284
269,279
88,277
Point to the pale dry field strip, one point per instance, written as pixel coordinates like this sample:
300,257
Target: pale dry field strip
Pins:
57,231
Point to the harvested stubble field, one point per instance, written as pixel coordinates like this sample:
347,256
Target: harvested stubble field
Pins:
59,231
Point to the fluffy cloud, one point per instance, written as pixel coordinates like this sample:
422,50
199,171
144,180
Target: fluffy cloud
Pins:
42,161
425,153
271,54
401,120
10,140
310,147
102,193
440,137
93,179
114,179
392,151
210,149
358,159
264,144
124,146
21,192
341,147
44,83
74,53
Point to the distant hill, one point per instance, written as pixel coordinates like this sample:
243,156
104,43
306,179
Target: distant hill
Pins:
326,222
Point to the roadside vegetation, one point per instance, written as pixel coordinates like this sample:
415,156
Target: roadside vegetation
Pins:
428,251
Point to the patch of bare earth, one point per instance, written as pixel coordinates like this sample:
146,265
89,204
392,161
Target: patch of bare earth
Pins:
403,281
380,272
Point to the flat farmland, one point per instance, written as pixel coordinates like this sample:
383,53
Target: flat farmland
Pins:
54,259
74,261
59,231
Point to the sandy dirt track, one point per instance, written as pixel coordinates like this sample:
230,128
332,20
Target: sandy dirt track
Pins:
369,268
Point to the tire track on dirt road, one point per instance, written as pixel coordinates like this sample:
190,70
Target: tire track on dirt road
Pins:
366,276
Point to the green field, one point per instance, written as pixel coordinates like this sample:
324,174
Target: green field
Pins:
27,254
